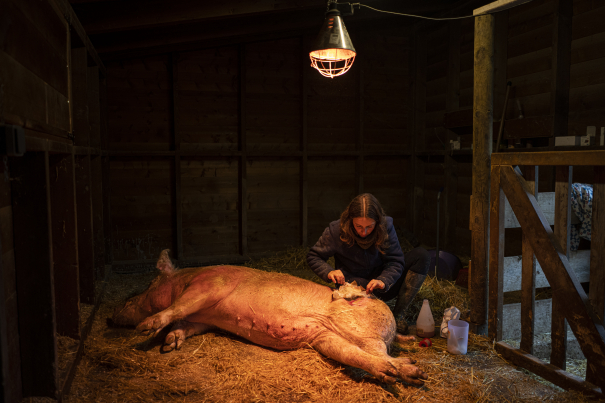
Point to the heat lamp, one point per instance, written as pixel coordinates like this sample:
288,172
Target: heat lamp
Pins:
333,53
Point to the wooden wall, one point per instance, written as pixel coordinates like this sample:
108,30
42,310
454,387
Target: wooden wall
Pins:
50,85
236,151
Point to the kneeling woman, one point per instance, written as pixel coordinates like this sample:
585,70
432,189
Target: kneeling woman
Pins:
366,249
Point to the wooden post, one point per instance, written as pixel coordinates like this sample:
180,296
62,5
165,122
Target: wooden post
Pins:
243,161
561,233
451,167
96,174
85,234
359,145
496,256
34,274
79,90
482,150
560,73
304,165
597,247
65,244
419,128
528,275
178,203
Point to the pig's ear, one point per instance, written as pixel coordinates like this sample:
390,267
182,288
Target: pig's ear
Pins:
164,263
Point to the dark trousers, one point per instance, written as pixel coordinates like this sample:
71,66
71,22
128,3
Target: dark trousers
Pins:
416,261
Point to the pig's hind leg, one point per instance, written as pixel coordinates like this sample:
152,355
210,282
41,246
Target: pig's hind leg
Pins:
180,331
375,360
198,296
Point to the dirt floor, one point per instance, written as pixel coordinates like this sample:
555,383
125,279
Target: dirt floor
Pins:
120,365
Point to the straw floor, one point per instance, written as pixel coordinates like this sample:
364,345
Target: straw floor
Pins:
120,365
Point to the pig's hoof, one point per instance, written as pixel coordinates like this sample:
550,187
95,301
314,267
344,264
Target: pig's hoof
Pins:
412,375
173,340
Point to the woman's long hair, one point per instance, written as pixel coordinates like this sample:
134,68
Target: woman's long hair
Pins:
364,205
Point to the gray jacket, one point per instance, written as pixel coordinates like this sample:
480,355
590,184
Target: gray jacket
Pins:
356,263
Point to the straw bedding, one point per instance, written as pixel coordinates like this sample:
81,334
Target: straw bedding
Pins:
120,365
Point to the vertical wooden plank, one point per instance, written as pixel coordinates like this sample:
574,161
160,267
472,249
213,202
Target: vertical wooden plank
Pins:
94,106
597,249
178,202
597,260
85,233
103,111
10,360
304,166
451,167
482,149
419,125
562,233
560,67
79,70
560,71
359,145
496,256
105,171
528,275
34,274
243,161
500,61
65,244
96,174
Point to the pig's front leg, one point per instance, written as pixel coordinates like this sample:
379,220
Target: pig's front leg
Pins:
381,365
193,299
180,331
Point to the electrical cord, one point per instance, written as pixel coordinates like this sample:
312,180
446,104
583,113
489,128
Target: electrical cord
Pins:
359,5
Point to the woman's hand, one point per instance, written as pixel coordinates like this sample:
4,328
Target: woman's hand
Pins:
374,284
336,276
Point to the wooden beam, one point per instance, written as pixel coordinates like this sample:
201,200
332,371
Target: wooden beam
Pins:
79,101
85,234
34,274
304,162
96,175
451,167
562,231
65,244
176,138
360,140
243,161
597,247
561,277
584,158
560,68
482,150
496,256
138,14
419,109
75,25
498,5
528,277
548,371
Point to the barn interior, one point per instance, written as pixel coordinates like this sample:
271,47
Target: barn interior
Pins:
130,127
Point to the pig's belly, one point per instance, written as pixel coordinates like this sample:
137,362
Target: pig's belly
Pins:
280,315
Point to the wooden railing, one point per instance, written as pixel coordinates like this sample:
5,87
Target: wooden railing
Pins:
570,304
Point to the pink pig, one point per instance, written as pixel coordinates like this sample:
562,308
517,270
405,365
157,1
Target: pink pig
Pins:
271,309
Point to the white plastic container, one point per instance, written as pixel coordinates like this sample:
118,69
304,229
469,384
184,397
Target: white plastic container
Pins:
425,325
457,340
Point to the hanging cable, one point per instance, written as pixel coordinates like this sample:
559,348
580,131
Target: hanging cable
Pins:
359,5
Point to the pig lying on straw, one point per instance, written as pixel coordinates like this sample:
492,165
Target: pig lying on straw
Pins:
271,309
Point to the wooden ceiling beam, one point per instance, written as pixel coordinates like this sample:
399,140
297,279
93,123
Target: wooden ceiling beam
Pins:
109,16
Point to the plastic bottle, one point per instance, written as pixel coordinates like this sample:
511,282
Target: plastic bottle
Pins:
425,325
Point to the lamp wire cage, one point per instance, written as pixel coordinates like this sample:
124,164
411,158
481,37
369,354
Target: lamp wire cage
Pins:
332,62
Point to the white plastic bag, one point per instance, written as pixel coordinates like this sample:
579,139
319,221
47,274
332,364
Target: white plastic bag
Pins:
451,313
